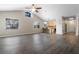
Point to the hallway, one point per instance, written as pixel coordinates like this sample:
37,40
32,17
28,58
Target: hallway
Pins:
39,43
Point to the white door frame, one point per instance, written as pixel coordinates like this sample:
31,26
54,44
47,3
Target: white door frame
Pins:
77,26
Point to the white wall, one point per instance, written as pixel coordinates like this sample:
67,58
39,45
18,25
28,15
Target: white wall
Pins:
25,23
71,25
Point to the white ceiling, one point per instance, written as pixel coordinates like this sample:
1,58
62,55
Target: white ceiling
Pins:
13,7
56,11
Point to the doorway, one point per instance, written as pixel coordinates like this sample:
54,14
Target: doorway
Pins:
69,25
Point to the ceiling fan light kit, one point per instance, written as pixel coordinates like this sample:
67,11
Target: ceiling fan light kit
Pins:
34,8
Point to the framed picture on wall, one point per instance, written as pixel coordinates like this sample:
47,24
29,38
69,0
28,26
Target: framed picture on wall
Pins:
12,23
36,25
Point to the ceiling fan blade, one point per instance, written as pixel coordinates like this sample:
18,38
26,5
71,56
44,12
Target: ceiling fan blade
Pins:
36,11
38,8
33,4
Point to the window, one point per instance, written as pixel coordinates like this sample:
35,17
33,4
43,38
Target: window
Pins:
28,14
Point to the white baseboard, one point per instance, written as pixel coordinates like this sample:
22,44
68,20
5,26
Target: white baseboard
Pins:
17,34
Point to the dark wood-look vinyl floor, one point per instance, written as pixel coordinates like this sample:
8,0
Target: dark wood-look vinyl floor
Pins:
40,44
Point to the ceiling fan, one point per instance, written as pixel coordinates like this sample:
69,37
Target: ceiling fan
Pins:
34,8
